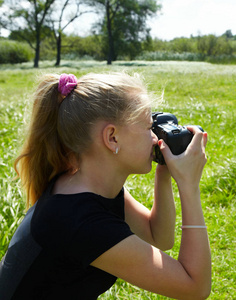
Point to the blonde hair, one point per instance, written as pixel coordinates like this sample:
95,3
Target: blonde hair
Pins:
61,129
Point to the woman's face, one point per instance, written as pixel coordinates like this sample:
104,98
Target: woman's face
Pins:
136,145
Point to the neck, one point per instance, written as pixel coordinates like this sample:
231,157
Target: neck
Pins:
97,176
100,178
100,171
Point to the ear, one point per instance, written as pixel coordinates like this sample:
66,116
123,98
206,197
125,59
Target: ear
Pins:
110,137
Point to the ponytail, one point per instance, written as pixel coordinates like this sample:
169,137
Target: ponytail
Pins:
61,130
43,155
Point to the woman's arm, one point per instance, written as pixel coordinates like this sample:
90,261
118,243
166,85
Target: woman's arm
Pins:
163,215
141,264
157,227
187,171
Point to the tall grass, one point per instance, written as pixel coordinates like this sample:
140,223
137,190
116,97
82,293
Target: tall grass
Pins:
186,56
197,93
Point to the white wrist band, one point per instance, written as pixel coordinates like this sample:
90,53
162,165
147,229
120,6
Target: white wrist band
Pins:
193,226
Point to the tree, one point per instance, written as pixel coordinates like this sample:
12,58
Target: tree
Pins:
206,44
59,24
28,18
228,34
224,46
124,25
183,44
76,46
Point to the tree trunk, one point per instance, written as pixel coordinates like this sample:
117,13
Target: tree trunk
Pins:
37,50
58,50
110,56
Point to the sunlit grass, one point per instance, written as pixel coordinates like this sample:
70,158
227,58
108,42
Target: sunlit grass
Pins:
197,93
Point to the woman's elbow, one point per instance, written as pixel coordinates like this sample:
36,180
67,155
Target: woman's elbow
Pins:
206,293
202,295
201,292
165,244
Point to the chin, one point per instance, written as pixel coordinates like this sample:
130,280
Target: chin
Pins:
146,170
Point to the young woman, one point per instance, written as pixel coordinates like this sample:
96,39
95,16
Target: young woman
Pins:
83,228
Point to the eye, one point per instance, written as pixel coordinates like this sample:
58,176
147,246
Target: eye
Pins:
151,127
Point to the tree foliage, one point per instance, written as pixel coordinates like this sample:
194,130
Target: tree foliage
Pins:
122,32
206,45
12,52
27,18
124,27
211,45
62,15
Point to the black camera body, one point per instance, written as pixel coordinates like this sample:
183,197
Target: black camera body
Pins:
177,137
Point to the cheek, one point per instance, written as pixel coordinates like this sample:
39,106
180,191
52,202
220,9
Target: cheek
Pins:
150,138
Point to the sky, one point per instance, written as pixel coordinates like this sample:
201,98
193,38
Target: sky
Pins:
194,17
187,17
179,18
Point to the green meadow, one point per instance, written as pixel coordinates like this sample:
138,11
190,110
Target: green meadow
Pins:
197,93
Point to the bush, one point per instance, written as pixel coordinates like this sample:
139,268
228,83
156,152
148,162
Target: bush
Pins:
75,47
14,52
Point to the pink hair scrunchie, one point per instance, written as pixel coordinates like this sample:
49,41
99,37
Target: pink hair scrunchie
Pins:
67,82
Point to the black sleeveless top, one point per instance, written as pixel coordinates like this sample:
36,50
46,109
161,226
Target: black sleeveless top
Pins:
50,253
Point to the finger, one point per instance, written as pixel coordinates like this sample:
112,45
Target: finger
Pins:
194,129
165,150
205,138
198,135
197,139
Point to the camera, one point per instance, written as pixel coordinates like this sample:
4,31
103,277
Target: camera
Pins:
177,137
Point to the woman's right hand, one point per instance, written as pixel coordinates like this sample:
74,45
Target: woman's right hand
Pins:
187,167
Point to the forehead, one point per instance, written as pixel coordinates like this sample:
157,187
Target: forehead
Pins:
144,120
145,115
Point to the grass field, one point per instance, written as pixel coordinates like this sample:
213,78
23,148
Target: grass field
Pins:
197,93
